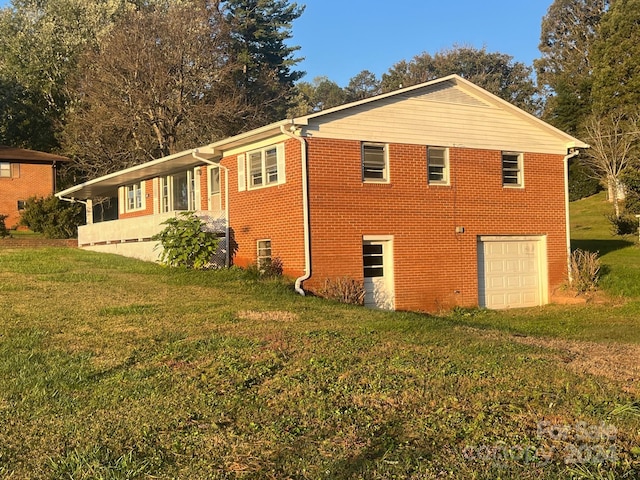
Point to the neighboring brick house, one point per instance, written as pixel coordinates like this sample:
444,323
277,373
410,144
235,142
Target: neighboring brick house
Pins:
436,195
25,174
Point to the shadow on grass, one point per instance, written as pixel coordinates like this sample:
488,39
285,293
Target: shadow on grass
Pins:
601,246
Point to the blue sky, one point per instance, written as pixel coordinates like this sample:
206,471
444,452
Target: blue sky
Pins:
340,38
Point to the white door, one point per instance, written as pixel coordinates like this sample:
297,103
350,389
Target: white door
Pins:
377,260
510,272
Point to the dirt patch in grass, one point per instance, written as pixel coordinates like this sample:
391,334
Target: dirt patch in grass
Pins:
615,361
274,315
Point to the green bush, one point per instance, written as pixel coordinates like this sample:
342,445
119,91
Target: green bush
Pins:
4,232
623,225
631,182
581,182
185,243
52,217
269,268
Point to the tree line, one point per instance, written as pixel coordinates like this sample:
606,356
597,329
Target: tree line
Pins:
114,83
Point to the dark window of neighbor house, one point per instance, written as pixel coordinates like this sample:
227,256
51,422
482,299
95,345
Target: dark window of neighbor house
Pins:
21,204
5,170
375,166
438,166
512,169
264,253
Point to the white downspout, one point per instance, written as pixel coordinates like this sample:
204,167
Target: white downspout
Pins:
195,155
305,209
566,212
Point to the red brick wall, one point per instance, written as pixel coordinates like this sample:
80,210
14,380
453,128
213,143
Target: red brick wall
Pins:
433,266
273,212
34,180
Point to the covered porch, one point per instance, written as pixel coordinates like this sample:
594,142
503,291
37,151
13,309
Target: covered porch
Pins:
147,195
132,237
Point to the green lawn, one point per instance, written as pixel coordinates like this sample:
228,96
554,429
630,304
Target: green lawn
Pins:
117,369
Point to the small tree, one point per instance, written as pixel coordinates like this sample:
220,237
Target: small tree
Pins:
4,232
612,137
185,243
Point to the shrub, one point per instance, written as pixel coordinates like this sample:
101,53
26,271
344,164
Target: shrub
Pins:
4,232
52,217
581,182
185,243
623,225
343,290
585,270
269,268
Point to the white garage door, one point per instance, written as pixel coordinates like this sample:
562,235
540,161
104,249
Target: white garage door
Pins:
511,272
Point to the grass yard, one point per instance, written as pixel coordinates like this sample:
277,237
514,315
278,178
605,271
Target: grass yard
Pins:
112,368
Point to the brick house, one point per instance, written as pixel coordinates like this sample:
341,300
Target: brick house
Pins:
436,195
25,174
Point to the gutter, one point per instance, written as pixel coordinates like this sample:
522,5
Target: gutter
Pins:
195,155
305,206
566,210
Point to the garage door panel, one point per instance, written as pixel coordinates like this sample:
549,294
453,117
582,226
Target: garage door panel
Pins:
510,273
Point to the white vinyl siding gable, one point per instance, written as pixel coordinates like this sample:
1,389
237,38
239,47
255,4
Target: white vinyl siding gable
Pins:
444,114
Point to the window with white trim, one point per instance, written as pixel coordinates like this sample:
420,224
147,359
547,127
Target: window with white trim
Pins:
438,165
375,162
5,170
264,253
512,169
264,167
134,197
214,180
180,191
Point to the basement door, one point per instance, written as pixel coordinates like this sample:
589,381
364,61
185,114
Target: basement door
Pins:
512,272
377,259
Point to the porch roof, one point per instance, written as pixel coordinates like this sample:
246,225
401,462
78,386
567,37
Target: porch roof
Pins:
106,185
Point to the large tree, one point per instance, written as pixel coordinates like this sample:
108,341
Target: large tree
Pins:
40,43
259,33
616,58
564,69
171,76
158,83
495,72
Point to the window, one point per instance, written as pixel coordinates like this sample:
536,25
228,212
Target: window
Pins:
214,180
374,163
265,167
135,197
373,260
21,204
512,169
264,253
5,170
179,191
438,166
